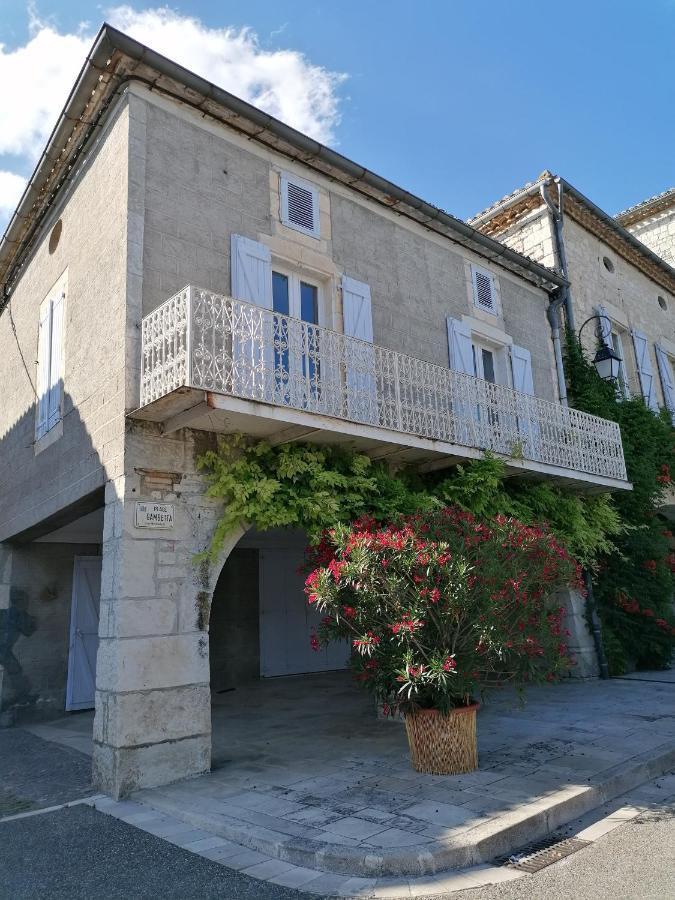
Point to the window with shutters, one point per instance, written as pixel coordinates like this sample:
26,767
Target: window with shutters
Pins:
299,205
50,364
484,291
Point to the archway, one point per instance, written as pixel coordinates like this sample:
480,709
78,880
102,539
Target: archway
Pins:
259,630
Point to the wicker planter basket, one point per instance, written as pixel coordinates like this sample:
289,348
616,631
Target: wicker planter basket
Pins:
443,744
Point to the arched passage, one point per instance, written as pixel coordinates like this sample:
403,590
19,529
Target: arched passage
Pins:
260,626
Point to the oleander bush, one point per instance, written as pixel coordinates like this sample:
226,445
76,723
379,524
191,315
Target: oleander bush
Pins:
441,605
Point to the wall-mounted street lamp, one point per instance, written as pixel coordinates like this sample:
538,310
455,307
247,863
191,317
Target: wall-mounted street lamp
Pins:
606,361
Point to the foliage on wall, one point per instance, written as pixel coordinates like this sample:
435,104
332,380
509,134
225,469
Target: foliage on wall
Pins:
633,584
316,487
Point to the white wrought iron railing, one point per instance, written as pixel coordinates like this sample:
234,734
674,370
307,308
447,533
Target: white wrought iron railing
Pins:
207,341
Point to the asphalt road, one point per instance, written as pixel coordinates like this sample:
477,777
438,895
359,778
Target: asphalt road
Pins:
633,862
81,854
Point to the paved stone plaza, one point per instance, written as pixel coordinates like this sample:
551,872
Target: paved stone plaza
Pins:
306,777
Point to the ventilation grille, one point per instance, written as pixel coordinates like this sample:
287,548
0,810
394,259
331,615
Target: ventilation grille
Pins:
484,293
300,207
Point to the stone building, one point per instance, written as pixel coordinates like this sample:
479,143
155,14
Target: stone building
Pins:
653,222
183,265
628,282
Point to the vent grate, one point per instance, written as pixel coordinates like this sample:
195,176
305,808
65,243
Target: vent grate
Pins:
539,854
301,206
484,294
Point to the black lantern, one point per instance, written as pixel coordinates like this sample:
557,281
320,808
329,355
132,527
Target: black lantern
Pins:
607,363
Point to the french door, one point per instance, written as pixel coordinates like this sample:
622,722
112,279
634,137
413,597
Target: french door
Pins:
296,340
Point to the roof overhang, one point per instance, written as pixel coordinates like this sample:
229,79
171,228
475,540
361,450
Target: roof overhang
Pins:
115,59
507,212
647,208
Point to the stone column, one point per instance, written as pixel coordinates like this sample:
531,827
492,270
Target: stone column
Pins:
153,704
580,641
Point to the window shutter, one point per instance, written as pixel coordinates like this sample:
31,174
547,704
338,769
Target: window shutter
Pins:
483,290
251,274
357,318
357,309
56,364
43,376
521,367
605,326
300,205
644,367
667,379
460,350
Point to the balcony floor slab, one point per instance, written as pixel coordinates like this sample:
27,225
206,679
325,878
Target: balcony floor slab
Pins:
224,414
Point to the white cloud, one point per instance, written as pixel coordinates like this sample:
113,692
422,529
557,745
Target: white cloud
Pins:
282,82
11,188
37,76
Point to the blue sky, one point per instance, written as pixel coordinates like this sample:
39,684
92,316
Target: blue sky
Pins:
459,101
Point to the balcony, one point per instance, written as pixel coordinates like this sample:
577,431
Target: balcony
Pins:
218,364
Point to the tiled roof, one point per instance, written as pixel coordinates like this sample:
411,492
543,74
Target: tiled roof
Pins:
494,206
645,207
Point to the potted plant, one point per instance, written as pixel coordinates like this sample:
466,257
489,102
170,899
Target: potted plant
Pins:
438,607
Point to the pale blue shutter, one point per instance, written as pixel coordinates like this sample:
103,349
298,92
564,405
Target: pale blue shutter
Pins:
644,367
528,427
43,374
357,317
56,363
252,330
667,379
605,326
460,348
251,274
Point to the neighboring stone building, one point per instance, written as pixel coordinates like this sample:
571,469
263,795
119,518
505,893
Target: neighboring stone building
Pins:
610,273
362,315
653,221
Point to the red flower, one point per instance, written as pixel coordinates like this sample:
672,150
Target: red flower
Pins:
449,664
314,641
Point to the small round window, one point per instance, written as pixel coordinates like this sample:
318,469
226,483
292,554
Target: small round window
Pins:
662,302
55,236
607,263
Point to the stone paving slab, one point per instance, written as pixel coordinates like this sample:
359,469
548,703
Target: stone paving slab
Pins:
334,790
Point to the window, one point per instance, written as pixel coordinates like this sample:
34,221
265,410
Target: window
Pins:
616,342
299,205
50,364
484,363
296,345
484,293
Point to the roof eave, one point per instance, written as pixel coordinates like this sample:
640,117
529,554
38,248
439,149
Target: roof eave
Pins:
100,73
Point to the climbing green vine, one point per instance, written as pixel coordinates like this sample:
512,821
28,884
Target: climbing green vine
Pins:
315,487
633,584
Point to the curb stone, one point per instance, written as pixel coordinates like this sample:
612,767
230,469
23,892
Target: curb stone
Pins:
478,845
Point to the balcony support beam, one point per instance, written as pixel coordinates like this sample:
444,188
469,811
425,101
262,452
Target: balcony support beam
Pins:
185,418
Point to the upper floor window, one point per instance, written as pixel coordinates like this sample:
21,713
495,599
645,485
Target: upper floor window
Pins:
616,341
299,205
484,290
50,364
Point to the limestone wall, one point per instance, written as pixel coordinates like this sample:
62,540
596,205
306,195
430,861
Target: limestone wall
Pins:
658,233
203,182
630,297
78,456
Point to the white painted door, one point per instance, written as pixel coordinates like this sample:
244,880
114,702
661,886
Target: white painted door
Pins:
287,621
81,685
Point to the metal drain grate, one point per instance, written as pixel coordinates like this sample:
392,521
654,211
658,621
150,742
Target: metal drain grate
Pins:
542,853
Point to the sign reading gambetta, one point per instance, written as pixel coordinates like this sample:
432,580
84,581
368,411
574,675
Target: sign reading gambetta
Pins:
154,515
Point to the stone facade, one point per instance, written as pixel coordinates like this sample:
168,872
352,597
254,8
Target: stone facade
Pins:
150,210
657,231
600,276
